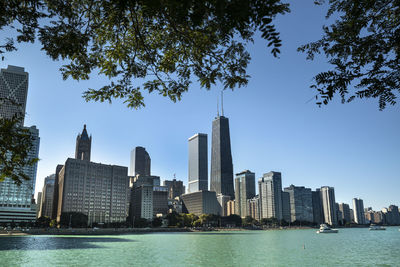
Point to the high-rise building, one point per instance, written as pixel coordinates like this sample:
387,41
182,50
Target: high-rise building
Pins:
97,190
339,214
394,215
16,200
55,193
39,200
175,188
142,202
345,209
270,191
245,188
140,162
318,212
198,163
148,198
329,205
358,207
230,207
286,207
254,208
201,202
13,92
83,145
301,208
47,197
223,201
221,158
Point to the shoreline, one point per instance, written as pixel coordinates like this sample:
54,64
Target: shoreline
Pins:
122,231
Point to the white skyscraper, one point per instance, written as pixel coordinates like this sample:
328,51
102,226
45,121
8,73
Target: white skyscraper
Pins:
270,191
329,205
198,163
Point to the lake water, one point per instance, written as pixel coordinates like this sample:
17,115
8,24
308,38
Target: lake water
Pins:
350,247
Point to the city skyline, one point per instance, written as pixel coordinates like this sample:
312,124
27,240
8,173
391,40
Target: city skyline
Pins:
273,123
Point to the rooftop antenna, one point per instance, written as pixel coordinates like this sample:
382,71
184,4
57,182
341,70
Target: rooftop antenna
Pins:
217,106
222,102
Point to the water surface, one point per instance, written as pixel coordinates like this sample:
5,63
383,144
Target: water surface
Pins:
350,247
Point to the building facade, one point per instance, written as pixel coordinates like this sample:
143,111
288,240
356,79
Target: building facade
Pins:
223,202
286,207
358,208
97,190
201,202
13,92
221,158
140,162
198,163
318,213
47,197
254,208
328,205
245,188
175,188
301,208
345,209
16,200
230,207
270,191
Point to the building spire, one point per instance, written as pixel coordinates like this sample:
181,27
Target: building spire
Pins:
217,106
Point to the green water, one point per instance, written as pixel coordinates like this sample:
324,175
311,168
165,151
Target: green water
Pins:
350,247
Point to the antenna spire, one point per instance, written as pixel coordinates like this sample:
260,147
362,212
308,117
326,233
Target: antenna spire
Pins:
222,102
217,106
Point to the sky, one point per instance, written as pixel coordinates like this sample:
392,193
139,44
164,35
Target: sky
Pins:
273,124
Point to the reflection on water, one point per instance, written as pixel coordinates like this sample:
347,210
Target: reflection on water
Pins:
54,242
350,247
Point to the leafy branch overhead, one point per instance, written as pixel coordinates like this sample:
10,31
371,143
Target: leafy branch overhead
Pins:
157,46
363,45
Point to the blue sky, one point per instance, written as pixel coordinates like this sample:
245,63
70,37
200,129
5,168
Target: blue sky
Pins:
352,147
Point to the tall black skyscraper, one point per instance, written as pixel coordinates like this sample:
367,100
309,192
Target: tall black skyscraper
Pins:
83,145
221,158
140,162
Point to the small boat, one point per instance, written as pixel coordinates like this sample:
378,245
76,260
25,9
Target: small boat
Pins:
323,228
376,227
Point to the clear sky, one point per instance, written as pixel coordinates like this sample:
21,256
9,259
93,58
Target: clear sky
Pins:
273,125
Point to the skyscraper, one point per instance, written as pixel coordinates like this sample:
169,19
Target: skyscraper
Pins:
198,163
175,188
13,92
301,208
56,192
329,205
47,197
318,212
245,188
358,208
140,162
345,209
15,201
221,158
270,190
83,145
